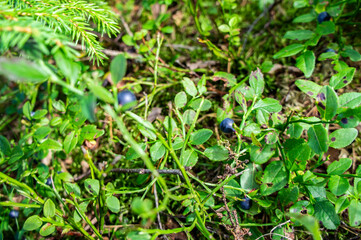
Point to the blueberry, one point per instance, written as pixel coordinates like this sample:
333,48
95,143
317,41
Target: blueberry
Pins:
14,214
322,17
126,97
227,126
48,182
330,50
245,203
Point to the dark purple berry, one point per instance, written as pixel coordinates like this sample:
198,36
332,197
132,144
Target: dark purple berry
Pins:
245,203
330,50
48,182
14,214
322,17
226,126
126,97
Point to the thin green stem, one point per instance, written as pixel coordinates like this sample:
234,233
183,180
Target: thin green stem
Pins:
81,213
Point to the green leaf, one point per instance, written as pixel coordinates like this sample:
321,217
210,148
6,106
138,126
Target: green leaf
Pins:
228,78
350,100
67,66
51,144
118,68
47,229
59,105
189,158
113,204
300,206
341,204
157,151
146,132
262,116
252,128
16,154
248,178
73,188
300,3
140,206
328,55
269,105
140,120
188,116
167,29
64,176
177,143
233,189
275,177
299,35
317,138
89,132
170,124
224,28
257,82
138,236
308,87
189,87
327,102
349,118
339,167
5,147
39,114
352,54
100,92
201,136
342,137
306,63
310,223
32,223
56,121
326,28
70,142
27,110
128,40
338,185
197,102
295,130
88,104
180,100
289,51
325,212
305,18
18,69
288,195
132,154
201,85
42,132
343,78
216,153
83,207
354,213
92,185
247,92
260,155
49,209
297,152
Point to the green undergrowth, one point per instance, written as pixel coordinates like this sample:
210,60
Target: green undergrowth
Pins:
77,164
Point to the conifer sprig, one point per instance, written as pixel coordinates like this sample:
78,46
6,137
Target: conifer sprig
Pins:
68,18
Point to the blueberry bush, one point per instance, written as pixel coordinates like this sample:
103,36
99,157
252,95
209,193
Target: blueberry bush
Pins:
165,119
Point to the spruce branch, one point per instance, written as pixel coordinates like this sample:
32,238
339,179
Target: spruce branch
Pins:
67,18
